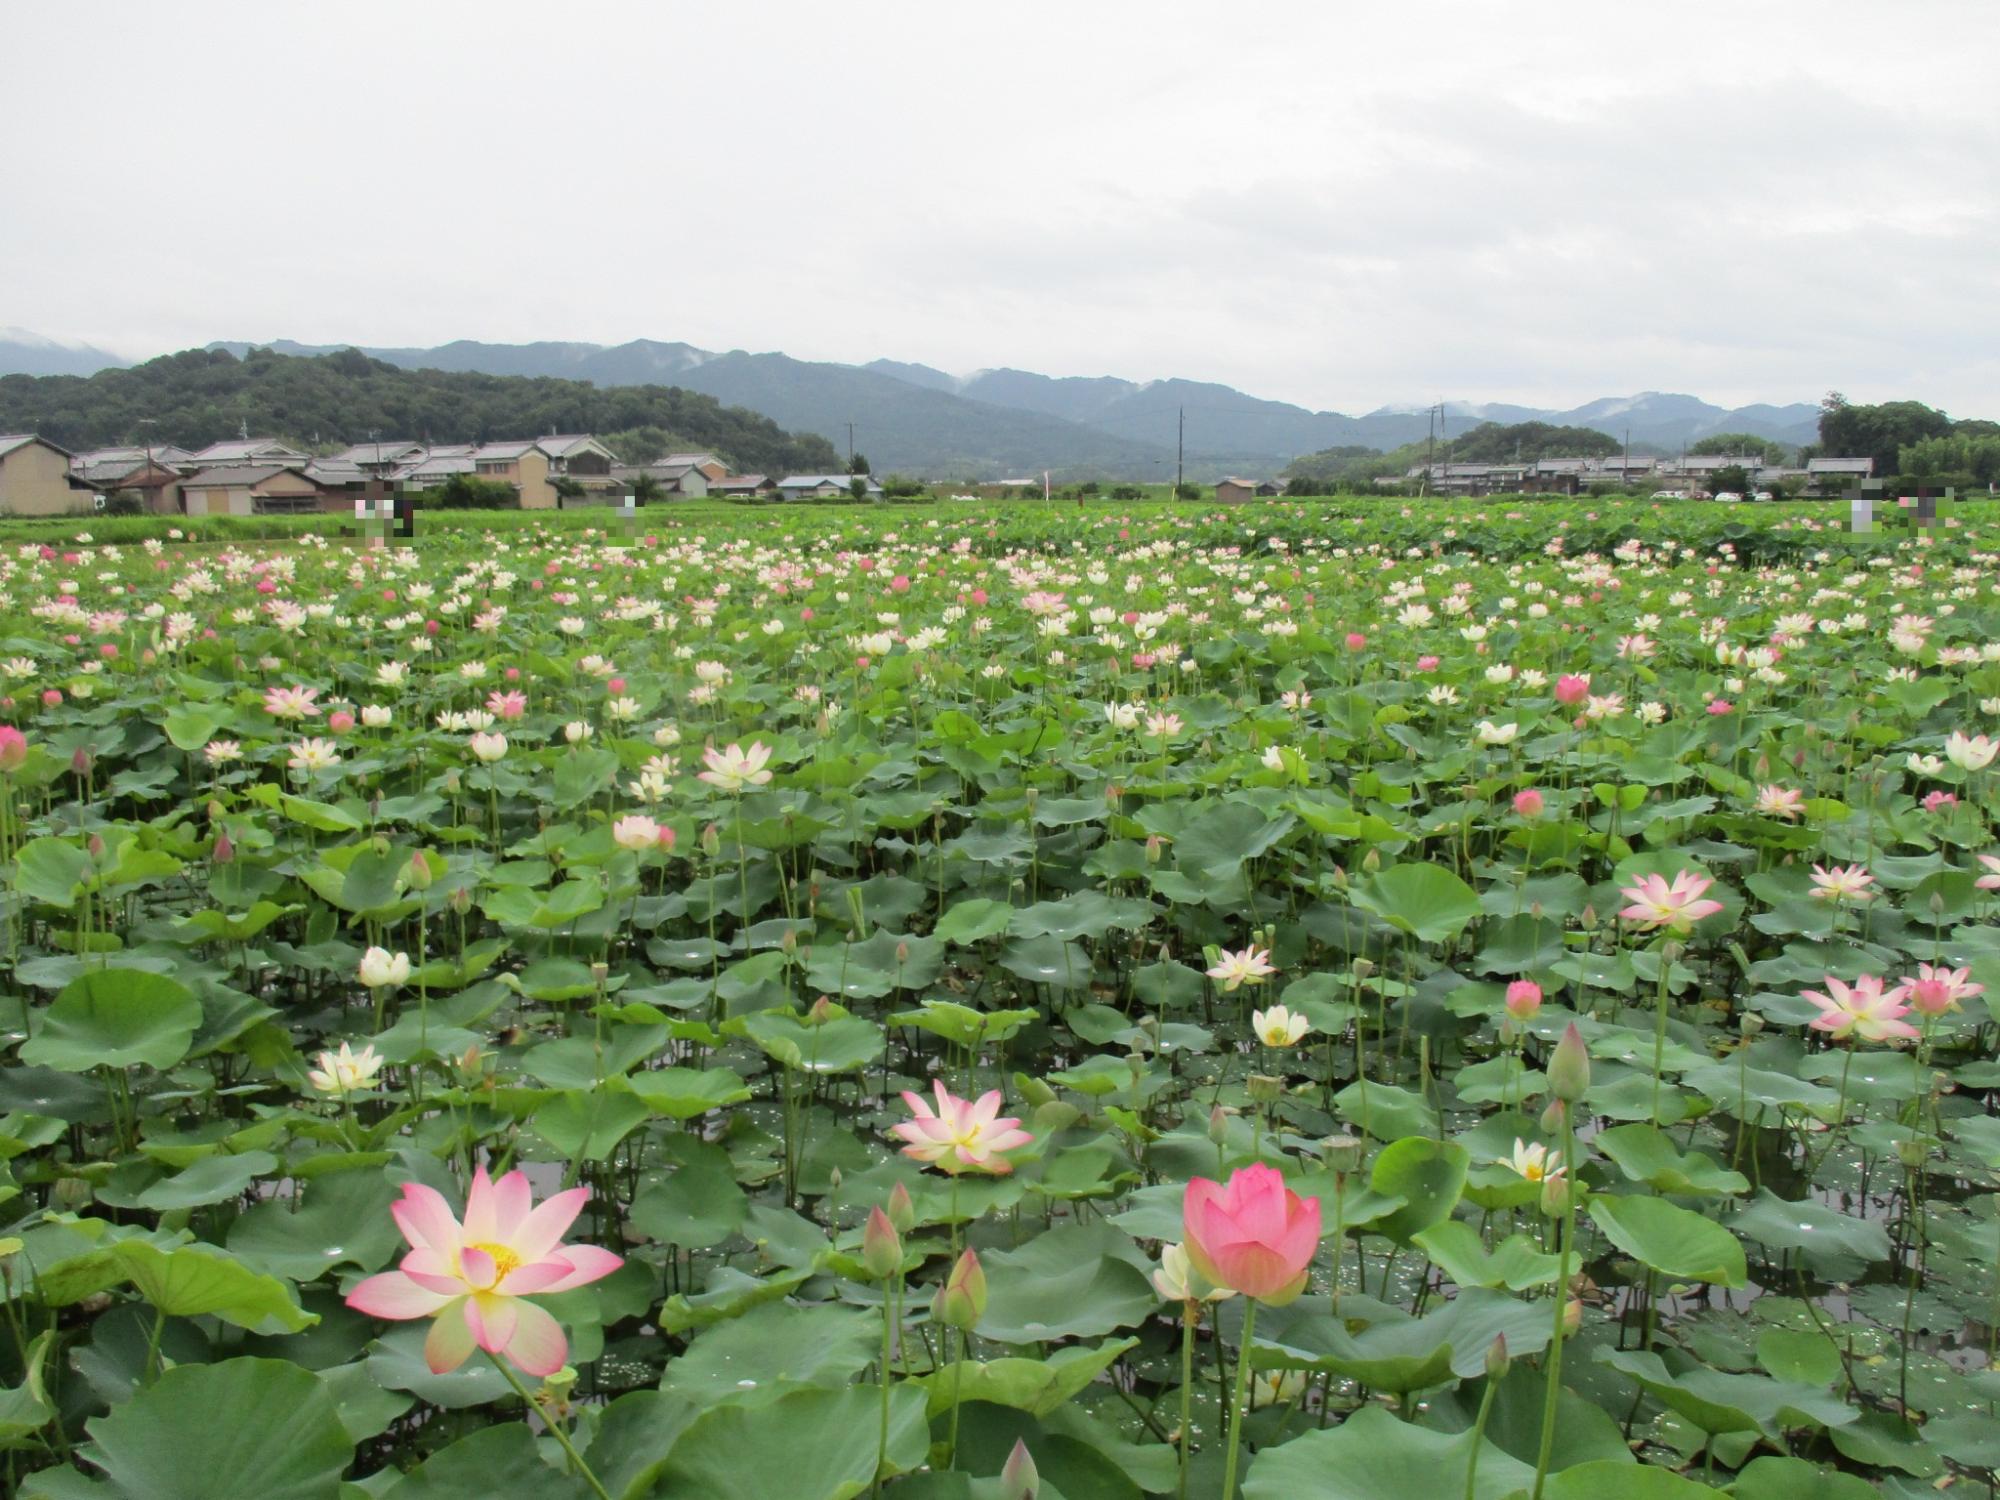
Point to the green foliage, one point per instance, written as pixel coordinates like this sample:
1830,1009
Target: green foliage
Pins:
201,396
1528,442
1740,445
470,492
1878,432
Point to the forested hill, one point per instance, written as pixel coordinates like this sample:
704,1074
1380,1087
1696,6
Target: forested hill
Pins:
203,396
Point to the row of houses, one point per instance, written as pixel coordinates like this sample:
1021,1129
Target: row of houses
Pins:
1690,473
253,476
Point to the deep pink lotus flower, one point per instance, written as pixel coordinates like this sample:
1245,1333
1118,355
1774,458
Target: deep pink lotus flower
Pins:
1937,989
1572,687
1675,907
963,1135
1253,1235
13,749
1865,1009
1524,999
473,1277
1530,804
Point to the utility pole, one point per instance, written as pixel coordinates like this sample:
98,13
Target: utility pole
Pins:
1430,449
1625,468
850,447
1180,454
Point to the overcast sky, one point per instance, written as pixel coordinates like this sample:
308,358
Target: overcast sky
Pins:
1336,204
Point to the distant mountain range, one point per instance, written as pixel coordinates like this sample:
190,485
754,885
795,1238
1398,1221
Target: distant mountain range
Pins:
25,352
919,420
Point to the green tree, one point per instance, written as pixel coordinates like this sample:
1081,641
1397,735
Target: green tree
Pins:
567,489
858,487
647,489
1878,432
858,464
1740,445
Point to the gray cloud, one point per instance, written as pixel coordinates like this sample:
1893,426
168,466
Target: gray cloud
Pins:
1332,204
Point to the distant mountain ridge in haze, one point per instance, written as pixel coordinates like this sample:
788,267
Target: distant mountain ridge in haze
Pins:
917,419
25,352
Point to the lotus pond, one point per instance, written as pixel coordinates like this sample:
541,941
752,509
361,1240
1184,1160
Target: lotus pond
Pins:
1335,1001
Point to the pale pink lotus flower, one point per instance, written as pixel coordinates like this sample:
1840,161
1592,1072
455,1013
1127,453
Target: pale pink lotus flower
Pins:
506,705
1970,752
345,1071
291,703
1990,881
1937,989
1842,883
1233,970
1163,726
1865,1009
314,755
637,832
1676,907
962,1135
487,746
1783,802
473,1277
736,768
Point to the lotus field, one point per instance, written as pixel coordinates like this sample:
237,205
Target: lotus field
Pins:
1299,1001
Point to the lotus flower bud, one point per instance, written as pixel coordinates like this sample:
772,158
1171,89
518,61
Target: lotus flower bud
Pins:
1524,999
711,841
81,761
1018,1477
1496,1358
224,851
1572,1317
1569,1068
902,1212
902,953
460,901
1553,1116
961,1302
1363,967
1155,847
13,749
881,1246
1749,1023
820,1013
1557,1195
95,844
471,1064
1218,1123
1342,1153
1371,861
419,871
856,917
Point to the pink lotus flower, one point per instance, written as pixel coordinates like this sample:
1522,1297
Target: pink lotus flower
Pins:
1524,999
1866,1009
291,703
1938,989
1572,687
1234,970
506,705
472,1277
1253,1235
1786,803
1356,641
1990,881
1675,907
1529,804
1939,801
13,749
963,1135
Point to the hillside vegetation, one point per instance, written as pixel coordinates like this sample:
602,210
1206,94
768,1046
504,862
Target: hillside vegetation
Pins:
202,396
